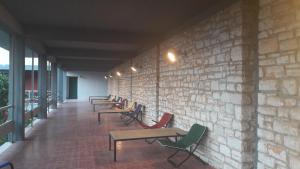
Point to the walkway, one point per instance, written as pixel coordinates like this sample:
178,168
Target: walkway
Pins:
72,139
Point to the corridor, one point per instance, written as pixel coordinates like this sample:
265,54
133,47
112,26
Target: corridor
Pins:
71,139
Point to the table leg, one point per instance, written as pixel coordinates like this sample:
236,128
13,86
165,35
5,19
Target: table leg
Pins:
99,118
115,150
109,137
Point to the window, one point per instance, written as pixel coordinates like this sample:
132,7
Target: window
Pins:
49,93
31,88
4,79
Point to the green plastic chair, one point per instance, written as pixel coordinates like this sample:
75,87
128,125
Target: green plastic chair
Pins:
185,144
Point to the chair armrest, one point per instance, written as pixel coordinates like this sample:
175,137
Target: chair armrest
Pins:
155,121
181,133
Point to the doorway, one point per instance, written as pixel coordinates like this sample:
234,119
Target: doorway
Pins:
73,85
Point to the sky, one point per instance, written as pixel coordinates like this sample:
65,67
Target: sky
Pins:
4,58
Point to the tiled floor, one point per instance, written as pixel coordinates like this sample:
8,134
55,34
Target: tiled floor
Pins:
71,139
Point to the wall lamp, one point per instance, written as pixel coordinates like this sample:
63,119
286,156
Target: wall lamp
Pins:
118,73
133,68
107,76
172,55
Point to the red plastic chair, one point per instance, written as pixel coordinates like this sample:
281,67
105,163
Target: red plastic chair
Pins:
163,122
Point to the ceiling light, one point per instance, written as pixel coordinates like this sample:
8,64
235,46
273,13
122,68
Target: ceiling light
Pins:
118,73
171,57
133,68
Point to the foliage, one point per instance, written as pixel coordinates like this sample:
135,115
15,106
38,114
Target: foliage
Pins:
3,100
3,89
3,96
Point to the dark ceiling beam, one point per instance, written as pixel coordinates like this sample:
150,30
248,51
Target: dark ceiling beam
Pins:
9,22
65,52
87,62
91,58
68,34
86,66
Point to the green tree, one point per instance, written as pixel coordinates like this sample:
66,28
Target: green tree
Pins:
3,96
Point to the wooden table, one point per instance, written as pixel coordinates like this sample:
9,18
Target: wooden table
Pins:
104,103
137,134
112,111
98,98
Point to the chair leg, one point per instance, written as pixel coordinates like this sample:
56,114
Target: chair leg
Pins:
150,141
180,163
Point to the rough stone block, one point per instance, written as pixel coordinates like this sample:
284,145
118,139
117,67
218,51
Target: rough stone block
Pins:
294,162
275,101
274,71
235,143
286,127
225,150
277,152
288,44
289,87
292,142
267,160
267,85
237,53
270,111
265,134
295,113
268,45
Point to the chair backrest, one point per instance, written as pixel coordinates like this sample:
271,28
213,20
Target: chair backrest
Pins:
193,136
164,120
138,109
124,103
119,99
114,99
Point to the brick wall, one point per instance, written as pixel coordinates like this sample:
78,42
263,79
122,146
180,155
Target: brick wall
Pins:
279,79
238,74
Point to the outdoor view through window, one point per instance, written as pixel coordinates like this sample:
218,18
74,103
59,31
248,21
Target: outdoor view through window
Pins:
4,76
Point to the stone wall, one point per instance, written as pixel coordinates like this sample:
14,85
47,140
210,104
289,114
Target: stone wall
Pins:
279,80
143,82
238,73
212,84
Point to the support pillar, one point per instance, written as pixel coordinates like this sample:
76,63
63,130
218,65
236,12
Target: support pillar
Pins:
42,86
157,81
18,96
54,84
60,79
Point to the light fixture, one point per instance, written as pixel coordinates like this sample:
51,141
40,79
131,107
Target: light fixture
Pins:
171,56
133,68
105,76
119,74
110,76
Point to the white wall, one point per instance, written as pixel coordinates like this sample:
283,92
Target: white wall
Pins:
89,84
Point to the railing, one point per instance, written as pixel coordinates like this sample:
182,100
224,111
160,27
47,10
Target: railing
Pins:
7,126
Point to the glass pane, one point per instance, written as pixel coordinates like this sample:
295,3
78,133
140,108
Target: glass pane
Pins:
31,85
4,77
35,88
29,80
49,82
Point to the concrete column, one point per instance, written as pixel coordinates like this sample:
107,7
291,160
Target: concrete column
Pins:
42,86
157,81
18,95
60,79
54,84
